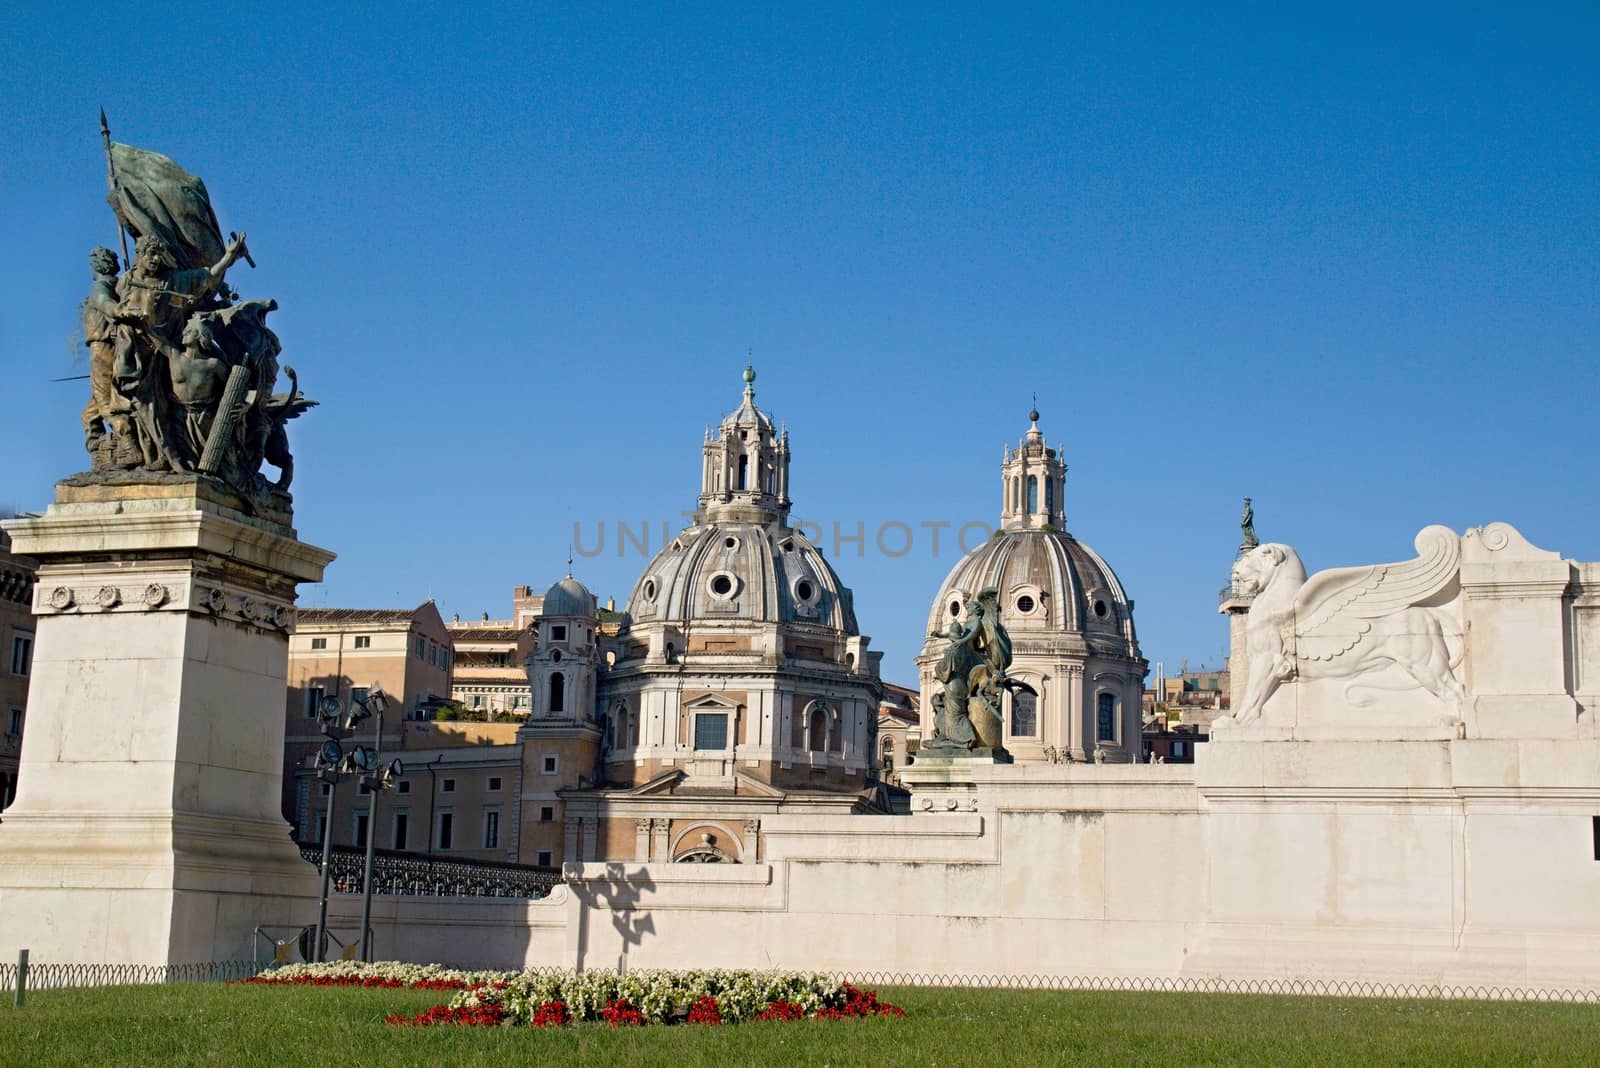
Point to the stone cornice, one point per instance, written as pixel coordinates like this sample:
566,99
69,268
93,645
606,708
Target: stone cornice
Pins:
107,530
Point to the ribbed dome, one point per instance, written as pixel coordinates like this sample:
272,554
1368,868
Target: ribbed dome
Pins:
732,570
569,597
1049,583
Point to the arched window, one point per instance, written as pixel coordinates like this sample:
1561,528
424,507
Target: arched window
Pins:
1106,718
558,695
817,735
619,726
1049,495
744,472
1033,494
1024,715
886,754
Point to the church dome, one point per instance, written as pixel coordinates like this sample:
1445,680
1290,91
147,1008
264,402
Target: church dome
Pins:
1070,621
1049,583
739,570
740,560
569,597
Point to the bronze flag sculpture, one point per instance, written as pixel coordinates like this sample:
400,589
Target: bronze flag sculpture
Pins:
182,371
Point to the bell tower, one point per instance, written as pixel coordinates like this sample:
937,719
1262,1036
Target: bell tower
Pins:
1033,482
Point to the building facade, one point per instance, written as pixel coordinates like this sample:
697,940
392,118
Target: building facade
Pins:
489,675
1070,622
899,731
16,647
342,653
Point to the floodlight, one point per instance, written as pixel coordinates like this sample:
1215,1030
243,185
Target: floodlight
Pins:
330,754
329,708
377,700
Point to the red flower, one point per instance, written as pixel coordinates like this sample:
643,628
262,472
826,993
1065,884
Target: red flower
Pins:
481,1016
859,1003
621,1013
552,1014
705,1011
782,1010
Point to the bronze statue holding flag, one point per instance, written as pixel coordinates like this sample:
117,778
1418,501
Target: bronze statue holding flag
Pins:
187,390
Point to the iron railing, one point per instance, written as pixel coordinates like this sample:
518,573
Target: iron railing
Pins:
420,875
47,976
1291,987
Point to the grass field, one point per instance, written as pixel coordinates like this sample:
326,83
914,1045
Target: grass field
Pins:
254,1025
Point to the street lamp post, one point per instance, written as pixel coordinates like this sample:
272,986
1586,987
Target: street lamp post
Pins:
376,783
327,772
337,723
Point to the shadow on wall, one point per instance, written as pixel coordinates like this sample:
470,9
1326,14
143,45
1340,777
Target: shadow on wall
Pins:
618,893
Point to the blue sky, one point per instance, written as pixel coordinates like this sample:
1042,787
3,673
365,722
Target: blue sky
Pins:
1345,262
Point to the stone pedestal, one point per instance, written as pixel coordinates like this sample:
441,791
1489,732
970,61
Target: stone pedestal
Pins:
146,827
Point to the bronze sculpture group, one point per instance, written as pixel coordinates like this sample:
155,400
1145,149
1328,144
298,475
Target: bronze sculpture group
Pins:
181,371
968,718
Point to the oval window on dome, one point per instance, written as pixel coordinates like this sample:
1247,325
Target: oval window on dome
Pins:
649,590
955,608
722,584
730,542
788,546
804,590
1100,609
1025,604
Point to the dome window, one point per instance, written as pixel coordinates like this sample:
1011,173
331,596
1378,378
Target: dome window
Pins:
1025,604
805,591
1100,609
649,590
730,542
723,585
788,546
955,609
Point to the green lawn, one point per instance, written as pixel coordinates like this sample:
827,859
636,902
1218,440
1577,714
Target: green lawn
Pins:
235,1025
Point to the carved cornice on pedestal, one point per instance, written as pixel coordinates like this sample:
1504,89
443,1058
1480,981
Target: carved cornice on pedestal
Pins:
166,591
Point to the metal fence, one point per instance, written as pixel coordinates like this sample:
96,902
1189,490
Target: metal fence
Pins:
420,875
47,976
44,975
1291,987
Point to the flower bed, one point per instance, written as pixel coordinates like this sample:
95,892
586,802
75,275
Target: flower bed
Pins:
667,997
391,974
561,998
